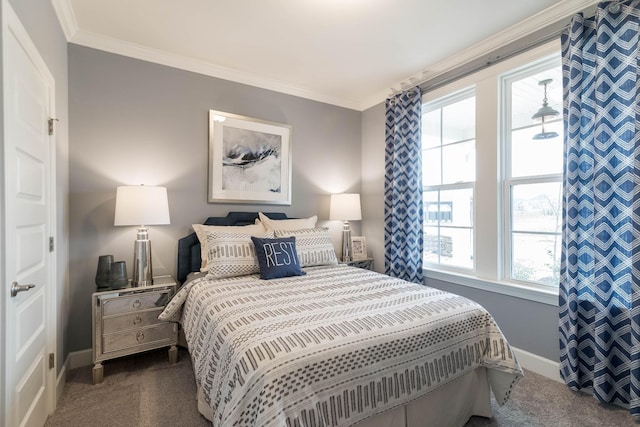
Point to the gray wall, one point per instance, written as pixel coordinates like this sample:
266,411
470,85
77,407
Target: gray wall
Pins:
373,124
528,325
134,122
40,21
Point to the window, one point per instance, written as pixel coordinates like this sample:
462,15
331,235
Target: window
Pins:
492,194
532,173
448,159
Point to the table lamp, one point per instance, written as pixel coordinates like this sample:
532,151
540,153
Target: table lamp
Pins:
345,207
141,205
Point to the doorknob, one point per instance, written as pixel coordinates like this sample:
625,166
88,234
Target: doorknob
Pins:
15,288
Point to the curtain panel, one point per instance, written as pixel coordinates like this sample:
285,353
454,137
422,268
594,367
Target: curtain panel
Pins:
599,285
403,219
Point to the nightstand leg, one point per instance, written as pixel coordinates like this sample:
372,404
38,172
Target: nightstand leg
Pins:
173,354
98,373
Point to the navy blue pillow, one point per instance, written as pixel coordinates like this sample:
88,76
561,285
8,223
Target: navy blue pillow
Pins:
277,257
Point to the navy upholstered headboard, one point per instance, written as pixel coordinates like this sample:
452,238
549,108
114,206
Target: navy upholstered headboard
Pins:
189,246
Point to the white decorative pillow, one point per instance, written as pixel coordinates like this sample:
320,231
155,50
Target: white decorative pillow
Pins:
202,230
287,224
231,254
313,245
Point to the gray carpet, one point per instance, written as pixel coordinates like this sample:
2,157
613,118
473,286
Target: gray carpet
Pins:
144,390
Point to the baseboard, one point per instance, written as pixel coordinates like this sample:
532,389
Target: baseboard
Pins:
78,359
61,380
538,364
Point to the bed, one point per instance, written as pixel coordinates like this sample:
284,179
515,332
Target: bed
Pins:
333,345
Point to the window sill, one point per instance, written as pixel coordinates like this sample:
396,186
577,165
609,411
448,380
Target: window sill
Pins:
531,293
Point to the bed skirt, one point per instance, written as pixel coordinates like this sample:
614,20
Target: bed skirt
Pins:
450,405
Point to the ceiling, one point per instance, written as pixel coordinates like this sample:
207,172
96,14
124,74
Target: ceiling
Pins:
351,53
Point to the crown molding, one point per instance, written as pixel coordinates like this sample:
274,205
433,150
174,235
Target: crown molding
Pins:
132,50
74,34
66,17
542,19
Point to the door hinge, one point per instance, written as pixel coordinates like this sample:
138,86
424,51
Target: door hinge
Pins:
51,244
52,361
51,120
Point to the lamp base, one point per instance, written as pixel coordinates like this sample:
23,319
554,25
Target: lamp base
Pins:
346,242
142,271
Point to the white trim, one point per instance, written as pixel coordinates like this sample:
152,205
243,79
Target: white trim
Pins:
552,14
66,17
74,34
538,364
61,381
532,293
78,359
506,155
52,296
133,50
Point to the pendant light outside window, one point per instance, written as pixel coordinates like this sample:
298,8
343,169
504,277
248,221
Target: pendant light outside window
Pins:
545,112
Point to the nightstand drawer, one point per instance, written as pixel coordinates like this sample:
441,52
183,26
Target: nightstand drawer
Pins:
140,337
134,302
125,322
130,320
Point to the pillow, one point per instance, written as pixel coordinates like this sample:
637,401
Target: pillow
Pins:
313,245
231,254
287,224
277,257
202,230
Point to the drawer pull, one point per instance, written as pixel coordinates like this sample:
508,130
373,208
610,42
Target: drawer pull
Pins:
137,320
137,304
139,337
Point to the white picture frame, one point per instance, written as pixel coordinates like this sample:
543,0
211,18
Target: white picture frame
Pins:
249,160
358,248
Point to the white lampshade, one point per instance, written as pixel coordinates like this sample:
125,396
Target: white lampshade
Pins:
345,207
141,205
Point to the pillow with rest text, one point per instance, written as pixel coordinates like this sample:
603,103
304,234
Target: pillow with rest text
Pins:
277,257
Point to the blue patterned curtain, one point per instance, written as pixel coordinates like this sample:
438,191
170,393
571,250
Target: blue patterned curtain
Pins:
599,285
403,187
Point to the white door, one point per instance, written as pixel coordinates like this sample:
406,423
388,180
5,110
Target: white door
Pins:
28,223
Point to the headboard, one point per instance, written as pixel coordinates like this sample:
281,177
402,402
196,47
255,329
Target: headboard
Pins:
189,246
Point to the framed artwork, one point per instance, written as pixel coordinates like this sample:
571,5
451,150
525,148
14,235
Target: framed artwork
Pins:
249,160
358,248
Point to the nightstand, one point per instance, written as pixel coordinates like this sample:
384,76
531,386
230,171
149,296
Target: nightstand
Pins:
367,263
125,322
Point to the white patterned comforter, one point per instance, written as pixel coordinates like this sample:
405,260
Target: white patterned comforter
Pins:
333,347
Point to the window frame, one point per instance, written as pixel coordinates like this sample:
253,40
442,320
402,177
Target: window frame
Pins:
488,224
439,104
507,180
